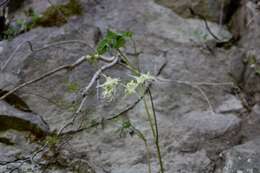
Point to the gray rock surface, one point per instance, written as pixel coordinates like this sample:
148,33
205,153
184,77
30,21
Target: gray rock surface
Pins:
17,147
250,43
178,50
243,158
231,104
12,118
251,124
8,81
210,9
203,130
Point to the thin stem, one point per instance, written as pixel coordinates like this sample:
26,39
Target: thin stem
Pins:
128,64
154,127
150,119
157,141
148,152
148,155
45,75
87,88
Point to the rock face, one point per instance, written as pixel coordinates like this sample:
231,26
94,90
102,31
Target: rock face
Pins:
243,158
12,118
251,123
231,104
217,131
212,10
8,80
198,118
14,5
251,57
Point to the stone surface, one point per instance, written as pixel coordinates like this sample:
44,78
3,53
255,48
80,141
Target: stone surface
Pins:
18,146
207,130
243,158
8,81
251,124
210,9
170,46
250,43
189,163
12,118
231,104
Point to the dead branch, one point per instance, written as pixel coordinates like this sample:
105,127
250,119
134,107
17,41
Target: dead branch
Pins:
12,55
87,88
40,49
64,67
111,118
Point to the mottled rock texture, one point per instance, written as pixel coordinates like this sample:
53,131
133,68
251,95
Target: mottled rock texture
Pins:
202,125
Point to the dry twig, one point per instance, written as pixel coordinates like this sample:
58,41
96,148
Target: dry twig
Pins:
87,88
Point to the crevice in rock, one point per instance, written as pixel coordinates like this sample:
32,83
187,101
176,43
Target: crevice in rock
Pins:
6,141
8,122
236,18
15,5
231,9
16,114
15,101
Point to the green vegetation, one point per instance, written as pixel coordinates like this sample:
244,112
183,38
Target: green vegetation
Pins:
9,33
57,15
128,128
112,43
252,62
113,40
52,140
72,87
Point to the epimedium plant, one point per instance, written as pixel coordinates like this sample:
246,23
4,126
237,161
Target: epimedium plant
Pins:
138,85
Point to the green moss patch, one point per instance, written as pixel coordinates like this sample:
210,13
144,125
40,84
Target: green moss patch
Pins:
57,15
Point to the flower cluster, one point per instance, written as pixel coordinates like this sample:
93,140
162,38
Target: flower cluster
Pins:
109,86
139,80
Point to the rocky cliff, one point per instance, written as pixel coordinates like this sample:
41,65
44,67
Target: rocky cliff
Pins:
205,58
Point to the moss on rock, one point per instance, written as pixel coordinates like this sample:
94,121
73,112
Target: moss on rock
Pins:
57,15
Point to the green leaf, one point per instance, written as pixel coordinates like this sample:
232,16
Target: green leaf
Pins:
119,41
127,34
111,35
251,60
103,47
257,70
113,40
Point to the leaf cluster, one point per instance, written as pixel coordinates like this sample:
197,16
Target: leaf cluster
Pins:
113,40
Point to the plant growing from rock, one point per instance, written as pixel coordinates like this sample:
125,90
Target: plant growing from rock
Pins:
55,15
112,42
128,128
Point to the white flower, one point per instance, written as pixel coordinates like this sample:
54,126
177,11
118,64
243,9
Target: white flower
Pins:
109,87
131,87
143,78
139,80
